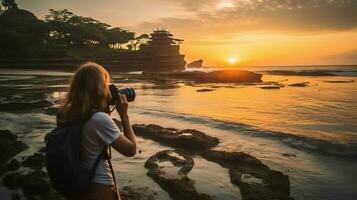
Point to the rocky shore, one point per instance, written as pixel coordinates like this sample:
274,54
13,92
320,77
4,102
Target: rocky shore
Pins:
28,177
170,169
255,180
9,147
177,183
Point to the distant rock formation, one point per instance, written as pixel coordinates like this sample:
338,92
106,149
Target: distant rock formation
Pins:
195,64
205,90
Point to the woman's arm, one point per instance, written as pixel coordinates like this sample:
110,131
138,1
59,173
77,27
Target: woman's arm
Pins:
126,144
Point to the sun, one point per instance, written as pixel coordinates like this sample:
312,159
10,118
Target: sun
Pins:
232,60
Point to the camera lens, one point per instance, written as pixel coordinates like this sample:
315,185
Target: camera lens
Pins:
129,93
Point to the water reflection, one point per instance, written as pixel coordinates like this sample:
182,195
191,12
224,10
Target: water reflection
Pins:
244,117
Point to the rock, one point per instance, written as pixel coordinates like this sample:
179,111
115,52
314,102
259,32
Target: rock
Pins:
36,161
3,169
13,180
348,81
289,155
13,165
303,84
204,90
172,177
222,86
9,147
53,110
142,193
15,196
255,180
36,183
187,139
195,64
16,106
42,150
222,76
271,87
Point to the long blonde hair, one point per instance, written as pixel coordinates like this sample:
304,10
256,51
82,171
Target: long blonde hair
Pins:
89,91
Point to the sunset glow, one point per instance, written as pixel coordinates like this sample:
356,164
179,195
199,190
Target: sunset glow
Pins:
261,32
225,4
232,60
192,99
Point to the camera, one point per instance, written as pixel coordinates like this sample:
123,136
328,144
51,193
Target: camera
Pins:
114,91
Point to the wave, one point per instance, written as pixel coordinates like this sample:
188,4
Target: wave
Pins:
352,73
309,144
328,70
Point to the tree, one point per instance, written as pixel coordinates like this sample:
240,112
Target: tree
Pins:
9,4
115,37
142,40
70,29
143,36
59,25
138,42
20,28
10,39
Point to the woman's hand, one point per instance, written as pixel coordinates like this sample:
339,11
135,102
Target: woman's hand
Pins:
122,105
125,145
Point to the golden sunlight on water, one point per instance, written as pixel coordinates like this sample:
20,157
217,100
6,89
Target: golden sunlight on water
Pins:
274,125
307,111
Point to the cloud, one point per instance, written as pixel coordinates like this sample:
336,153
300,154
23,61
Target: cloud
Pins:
348,57
232,16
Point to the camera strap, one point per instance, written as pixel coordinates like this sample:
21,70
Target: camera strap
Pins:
108,157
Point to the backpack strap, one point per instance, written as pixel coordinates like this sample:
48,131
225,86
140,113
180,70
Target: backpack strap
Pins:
60,119
95,165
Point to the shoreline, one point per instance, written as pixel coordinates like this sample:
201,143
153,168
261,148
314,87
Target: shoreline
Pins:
235,135
249,177
36,184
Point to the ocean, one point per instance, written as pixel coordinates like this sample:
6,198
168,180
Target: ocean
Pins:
304,126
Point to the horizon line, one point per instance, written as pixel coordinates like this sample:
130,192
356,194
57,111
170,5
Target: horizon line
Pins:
303,65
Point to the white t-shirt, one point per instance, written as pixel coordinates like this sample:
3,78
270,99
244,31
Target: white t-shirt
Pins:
100,130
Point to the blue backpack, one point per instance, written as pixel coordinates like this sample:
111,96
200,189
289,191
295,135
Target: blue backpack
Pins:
64,160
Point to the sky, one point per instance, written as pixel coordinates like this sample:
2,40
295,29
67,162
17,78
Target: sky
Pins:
234,32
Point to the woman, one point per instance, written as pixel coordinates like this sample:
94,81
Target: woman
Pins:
89,93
